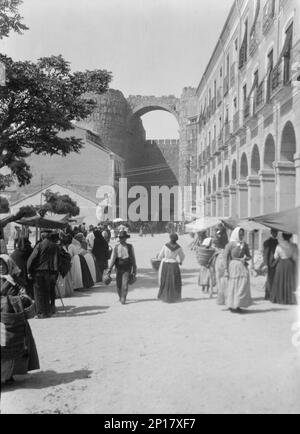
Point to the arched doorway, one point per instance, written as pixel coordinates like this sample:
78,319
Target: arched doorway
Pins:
267,177
285,169
242,194
254,183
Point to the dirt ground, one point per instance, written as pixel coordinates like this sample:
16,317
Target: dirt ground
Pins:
98,356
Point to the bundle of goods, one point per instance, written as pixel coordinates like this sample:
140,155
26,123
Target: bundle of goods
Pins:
155,264
204,255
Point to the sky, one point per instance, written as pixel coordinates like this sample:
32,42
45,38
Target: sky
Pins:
152,47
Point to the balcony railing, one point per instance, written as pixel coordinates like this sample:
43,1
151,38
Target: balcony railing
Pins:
232,75
220,141
213,105
259,97
227,131
254,41
268,18
219,96
276,79
247,109
236,122
226,85
213,146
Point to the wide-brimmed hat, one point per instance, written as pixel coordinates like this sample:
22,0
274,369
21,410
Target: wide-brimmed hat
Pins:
123,234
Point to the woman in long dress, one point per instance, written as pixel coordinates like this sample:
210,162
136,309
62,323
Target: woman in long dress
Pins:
236,256
18,350
284,284
101,252
81,275
170,283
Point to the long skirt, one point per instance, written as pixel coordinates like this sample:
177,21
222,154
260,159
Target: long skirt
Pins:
20,365
238,294
64,286
284,284
204,276
91,263
80,274
170,283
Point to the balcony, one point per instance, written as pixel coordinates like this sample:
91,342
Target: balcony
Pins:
254,42
236,122
213,146
227,132
259,97
247,108
220,142
280,79
213,105
232,75
219,96
226,85
268,16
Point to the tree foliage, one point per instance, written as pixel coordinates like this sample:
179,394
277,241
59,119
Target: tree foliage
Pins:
39,101
10,19
4,205
59,204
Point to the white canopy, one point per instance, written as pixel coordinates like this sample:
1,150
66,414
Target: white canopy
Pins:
203,224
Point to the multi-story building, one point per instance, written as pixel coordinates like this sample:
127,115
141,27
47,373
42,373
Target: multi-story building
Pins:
248,113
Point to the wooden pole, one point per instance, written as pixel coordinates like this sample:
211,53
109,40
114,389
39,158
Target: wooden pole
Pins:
253,247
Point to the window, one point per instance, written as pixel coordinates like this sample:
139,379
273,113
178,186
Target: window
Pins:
227,65
245,93
236,44
221,72
235,104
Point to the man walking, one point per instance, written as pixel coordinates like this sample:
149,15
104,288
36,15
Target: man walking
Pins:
43,266
124,261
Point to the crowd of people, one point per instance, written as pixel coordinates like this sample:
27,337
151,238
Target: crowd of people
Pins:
78,258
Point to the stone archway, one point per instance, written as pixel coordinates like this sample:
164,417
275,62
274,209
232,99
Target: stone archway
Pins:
140,104
242,193
285,169
255,161
253,182
267,177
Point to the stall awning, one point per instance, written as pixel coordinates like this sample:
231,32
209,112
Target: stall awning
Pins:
53,222
202,224
284,221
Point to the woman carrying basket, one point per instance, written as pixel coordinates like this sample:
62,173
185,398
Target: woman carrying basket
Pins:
18,350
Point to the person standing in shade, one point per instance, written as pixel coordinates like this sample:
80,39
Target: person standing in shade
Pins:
124,260
285,278
43,265
170,283
269,249
238,294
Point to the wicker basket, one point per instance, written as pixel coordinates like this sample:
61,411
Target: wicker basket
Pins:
204,255
155,264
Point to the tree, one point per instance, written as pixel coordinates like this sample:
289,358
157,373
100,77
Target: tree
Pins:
10,19
59,204
4,205
39,101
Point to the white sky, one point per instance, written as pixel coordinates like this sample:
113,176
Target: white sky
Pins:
152,47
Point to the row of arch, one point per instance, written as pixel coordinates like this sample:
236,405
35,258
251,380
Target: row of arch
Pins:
287,151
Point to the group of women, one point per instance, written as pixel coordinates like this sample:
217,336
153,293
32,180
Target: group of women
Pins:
87,262
236,287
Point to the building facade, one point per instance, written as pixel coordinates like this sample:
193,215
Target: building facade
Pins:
245,133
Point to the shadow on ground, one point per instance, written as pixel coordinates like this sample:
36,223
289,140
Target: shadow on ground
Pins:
69,311
45,379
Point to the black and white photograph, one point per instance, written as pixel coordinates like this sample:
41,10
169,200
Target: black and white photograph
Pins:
150,209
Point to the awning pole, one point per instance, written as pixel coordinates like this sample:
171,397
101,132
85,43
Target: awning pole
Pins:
253,248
